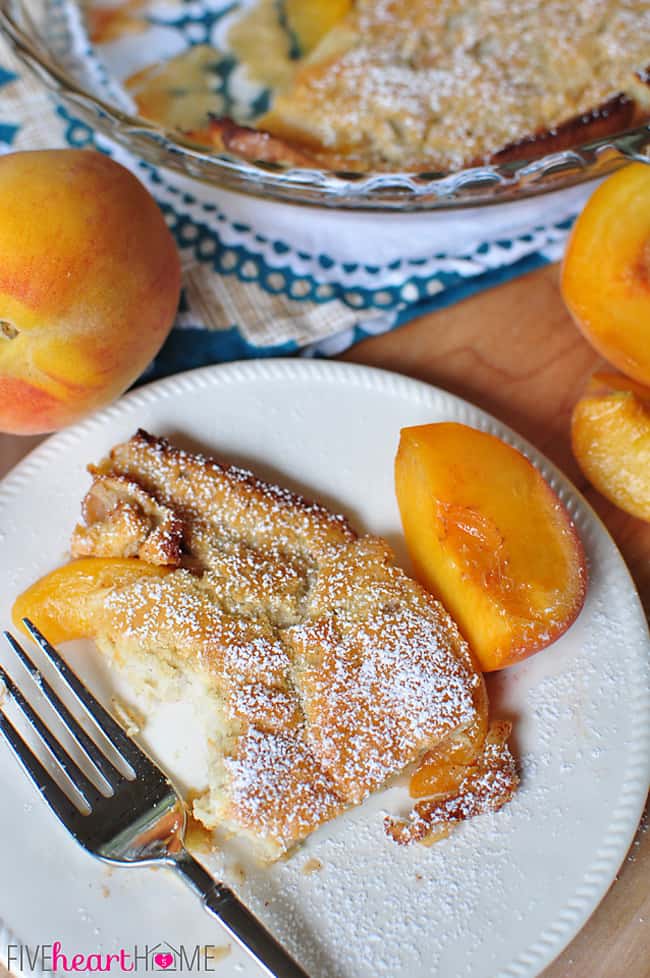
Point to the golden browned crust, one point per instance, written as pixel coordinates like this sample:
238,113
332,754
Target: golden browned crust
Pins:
121,519
406,86
225,135
613,116
489,782
333,670
225,495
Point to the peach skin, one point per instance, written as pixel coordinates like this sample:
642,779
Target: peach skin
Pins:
610,434
606,271
89,285
490,538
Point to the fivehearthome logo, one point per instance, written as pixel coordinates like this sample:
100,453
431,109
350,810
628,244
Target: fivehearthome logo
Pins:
140,958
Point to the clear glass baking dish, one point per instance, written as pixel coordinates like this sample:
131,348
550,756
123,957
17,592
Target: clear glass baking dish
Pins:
33,29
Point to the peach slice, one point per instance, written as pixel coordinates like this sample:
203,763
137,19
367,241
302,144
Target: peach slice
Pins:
606,271
610,433
57,603
489,536
441,770
311,20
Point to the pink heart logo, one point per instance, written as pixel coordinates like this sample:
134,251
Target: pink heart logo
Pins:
164,959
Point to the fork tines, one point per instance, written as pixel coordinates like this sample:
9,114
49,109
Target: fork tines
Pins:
105,769
142,820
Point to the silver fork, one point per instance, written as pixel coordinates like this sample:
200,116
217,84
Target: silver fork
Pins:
142,820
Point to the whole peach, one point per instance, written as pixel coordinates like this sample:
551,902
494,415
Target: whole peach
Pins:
89,285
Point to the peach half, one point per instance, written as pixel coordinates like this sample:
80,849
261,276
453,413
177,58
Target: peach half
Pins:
610,434
490,538
606,271
89,285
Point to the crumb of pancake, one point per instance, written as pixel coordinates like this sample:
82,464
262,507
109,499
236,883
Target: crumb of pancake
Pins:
312,865
130,718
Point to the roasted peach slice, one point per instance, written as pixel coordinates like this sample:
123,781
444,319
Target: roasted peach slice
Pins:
610,432
442,769
606,271
58,602
490,538
311,20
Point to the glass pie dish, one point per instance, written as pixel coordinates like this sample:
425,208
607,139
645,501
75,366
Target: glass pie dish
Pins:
48,37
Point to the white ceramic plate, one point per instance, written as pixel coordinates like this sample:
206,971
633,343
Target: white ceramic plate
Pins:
499,898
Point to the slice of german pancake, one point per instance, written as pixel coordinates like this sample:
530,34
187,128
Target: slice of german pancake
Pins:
319,669
416,85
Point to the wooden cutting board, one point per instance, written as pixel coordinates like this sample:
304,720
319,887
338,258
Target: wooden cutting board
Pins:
515,352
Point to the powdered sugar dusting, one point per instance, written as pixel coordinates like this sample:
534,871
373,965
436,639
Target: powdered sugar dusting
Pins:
267,771
504,892
378,693
455,889
334,671
443,84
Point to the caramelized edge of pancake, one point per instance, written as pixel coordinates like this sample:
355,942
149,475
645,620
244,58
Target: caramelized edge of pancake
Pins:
615,116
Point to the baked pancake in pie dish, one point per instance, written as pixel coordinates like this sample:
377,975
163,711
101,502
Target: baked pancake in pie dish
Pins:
320,671
416,85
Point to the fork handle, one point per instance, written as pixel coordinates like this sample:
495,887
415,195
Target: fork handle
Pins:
241,924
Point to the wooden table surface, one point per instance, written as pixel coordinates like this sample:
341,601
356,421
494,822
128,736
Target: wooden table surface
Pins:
515,352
